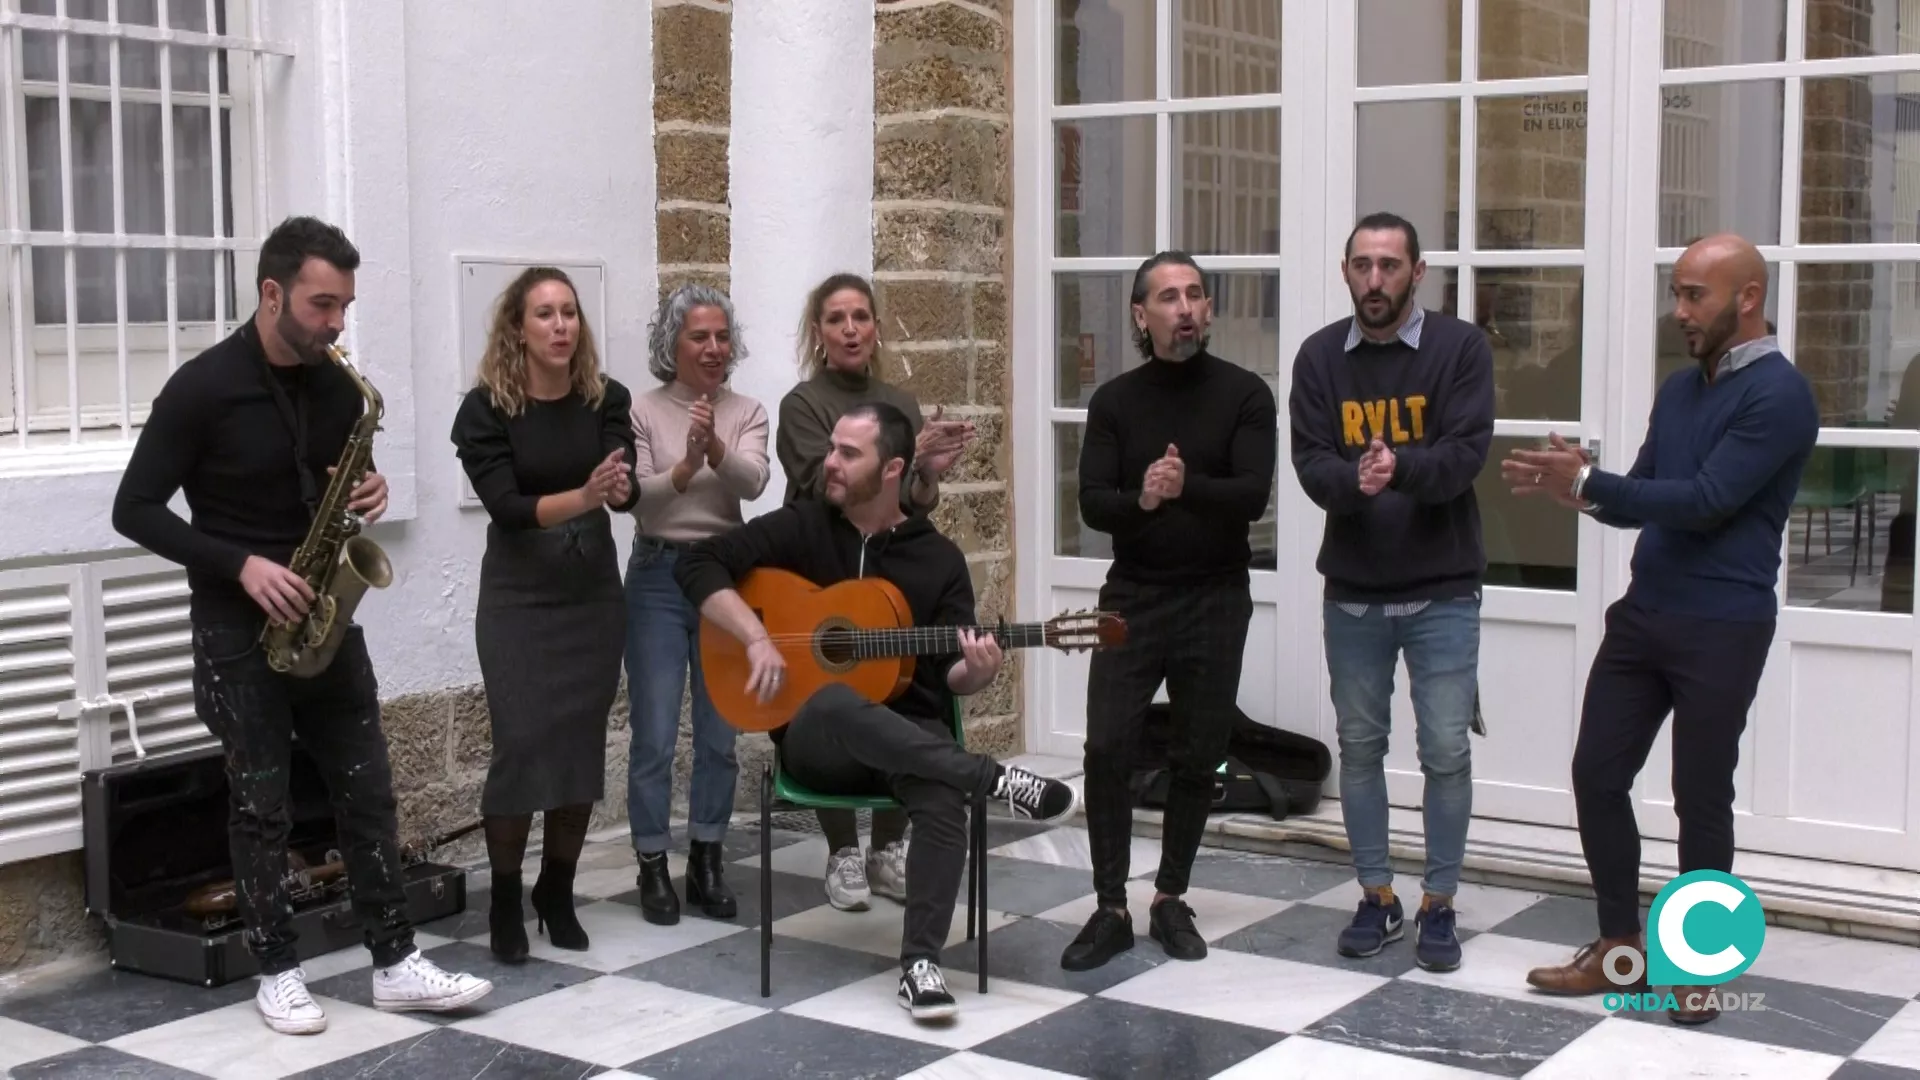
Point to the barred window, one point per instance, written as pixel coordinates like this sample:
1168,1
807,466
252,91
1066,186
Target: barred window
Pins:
134,202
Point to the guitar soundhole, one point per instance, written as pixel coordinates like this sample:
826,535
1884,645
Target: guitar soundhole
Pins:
835,646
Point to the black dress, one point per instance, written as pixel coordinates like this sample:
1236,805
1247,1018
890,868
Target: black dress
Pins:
551,623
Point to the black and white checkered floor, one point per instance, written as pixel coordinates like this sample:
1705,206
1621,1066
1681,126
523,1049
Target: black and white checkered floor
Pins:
1271,1000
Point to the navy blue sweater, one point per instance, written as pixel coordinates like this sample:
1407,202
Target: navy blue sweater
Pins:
1712,487
1419,538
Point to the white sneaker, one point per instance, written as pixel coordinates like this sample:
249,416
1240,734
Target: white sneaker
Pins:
418,983
286,1006
847,880
887,871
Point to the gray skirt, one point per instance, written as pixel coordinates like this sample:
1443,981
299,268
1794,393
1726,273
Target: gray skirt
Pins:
550,629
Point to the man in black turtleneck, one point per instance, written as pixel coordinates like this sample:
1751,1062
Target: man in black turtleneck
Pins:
1176,465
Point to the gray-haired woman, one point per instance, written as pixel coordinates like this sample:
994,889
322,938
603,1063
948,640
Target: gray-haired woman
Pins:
700,451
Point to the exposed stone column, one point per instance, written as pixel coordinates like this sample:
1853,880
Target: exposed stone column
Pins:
1835,300
941,206
692,112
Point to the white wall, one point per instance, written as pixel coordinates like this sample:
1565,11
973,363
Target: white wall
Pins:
525,136
802,178
427,129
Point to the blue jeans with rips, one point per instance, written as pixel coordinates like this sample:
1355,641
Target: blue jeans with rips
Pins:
1441,644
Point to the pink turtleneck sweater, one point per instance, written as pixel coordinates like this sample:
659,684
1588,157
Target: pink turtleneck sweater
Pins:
711,503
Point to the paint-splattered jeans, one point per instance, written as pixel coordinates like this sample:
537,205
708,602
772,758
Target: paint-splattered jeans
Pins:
256,712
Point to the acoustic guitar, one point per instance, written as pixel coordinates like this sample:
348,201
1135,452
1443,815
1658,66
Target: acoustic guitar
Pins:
859,633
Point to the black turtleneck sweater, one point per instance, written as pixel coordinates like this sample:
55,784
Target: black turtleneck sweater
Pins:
224,429
1223,419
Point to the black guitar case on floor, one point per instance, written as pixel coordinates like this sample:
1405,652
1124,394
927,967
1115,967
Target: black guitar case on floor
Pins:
1267,771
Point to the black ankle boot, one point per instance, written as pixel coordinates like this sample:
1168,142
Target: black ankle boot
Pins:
706,888
658,903
552,898
508,926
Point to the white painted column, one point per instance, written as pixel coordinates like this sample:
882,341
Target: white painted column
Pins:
802,178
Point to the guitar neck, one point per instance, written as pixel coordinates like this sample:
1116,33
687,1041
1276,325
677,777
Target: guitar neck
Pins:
941,640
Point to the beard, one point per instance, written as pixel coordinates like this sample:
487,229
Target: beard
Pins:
309,346
860,490
1714,335
1396,304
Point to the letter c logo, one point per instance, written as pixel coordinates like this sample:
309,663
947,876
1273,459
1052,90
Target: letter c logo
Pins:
1673,933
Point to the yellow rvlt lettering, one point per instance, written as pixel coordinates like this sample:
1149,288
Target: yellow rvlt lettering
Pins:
1387,419
1377,416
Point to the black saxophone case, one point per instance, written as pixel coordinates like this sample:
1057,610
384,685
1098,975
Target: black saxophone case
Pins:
157,866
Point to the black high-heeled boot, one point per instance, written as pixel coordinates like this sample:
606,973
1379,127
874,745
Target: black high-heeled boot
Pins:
658,902
706,888
507,926
552,898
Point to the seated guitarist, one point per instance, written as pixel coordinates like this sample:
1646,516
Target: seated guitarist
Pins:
842,744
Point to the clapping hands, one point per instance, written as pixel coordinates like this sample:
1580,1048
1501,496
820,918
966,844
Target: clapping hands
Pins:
940,443
611,482
1376,468
1165,479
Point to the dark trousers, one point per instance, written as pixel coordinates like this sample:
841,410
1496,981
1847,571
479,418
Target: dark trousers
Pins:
255,712
1192,637
1706,673
841,744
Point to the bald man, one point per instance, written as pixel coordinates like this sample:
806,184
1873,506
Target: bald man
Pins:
1710,492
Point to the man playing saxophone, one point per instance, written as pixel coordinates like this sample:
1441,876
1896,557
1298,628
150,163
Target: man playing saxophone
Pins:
251,430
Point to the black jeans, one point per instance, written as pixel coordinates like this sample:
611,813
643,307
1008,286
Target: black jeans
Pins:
841,744
255,712
1706,673
1193,638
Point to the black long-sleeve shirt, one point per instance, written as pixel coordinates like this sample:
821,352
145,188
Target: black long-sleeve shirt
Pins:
549,448
1223,420
218,431
1419,538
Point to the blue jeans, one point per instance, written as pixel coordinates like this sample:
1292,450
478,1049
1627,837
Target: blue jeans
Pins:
1441,644
663,642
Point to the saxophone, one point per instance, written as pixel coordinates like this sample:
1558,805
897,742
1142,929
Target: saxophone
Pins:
336,562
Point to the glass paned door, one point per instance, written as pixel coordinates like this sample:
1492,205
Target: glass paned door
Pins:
1476,120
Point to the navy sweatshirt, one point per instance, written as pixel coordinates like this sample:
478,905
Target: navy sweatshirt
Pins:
1712,487
1225,424
1419,538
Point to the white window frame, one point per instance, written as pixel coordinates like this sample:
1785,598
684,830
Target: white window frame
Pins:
102,437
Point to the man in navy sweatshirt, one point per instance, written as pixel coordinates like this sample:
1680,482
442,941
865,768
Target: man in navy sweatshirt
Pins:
1176,466
1392,419
1710,493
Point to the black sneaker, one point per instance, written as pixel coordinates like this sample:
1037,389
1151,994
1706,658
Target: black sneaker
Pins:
923,992
1039,798
1438,946
1374,925
1170,922
1108,934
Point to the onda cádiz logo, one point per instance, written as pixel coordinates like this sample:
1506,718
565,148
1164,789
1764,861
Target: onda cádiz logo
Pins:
1705,928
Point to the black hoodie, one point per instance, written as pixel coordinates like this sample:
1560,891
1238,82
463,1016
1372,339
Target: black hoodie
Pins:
814,539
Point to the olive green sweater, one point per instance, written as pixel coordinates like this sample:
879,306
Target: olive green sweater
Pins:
807,416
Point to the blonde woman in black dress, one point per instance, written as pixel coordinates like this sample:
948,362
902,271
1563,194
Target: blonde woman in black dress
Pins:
547,441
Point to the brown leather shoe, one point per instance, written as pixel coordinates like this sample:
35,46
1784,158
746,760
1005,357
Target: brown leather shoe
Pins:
1587,973
1692,1005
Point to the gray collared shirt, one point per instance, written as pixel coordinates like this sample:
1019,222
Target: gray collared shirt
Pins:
1409,331
1746,353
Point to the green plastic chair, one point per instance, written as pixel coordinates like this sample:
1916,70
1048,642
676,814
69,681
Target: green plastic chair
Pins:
780,791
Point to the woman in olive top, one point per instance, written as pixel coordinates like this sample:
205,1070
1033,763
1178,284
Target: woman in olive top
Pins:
843,366
701,452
